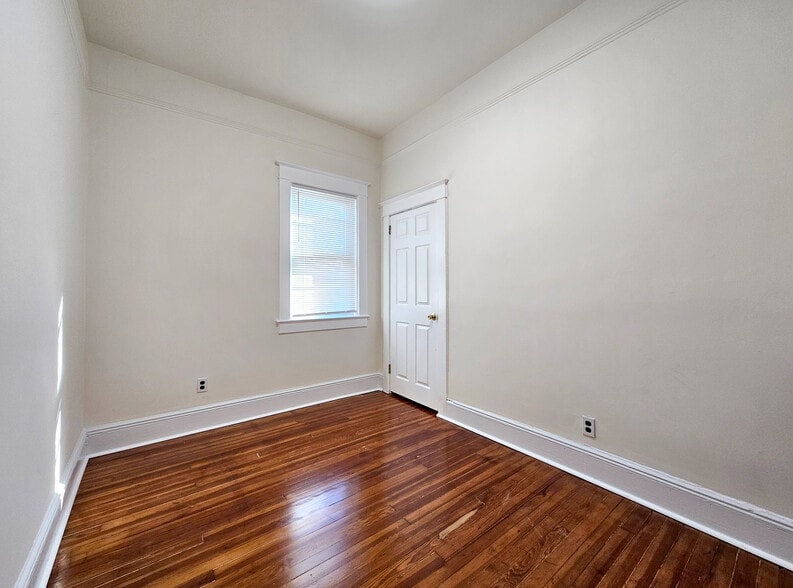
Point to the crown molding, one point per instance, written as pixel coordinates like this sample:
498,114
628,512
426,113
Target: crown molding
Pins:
558,66
227,122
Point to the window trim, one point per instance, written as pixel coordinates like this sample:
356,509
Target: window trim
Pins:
291,174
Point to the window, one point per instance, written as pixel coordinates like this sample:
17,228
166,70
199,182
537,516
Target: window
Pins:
323,251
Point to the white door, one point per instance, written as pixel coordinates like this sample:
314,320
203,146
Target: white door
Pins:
417,305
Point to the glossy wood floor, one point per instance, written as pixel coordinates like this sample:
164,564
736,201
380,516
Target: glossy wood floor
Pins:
370,491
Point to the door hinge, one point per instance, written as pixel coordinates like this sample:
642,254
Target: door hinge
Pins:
389,229
389,368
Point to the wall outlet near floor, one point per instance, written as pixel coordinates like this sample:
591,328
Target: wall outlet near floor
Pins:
201,385
588,426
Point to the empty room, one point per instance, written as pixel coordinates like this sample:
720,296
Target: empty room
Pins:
396,293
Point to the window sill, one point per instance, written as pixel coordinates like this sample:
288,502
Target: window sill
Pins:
325,324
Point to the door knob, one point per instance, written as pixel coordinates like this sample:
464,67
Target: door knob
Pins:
432,317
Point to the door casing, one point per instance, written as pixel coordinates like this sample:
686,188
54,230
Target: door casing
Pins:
433,193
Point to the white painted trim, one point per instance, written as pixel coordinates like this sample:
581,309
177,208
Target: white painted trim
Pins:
413,199
225,121
320,179
385,299
33,561
38,565
749,527
429,194
477,109
136,432
284,249
324,324
357,189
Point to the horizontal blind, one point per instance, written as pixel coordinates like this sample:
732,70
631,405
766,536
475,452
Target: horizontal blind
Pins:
323,254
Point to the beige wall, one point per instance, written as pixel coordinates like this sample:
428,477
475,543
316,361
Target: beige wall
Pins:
41,263
620,236
183,243
619,242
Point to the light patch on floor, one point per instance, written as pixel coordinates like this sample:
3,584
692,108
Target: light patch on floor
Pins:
457,524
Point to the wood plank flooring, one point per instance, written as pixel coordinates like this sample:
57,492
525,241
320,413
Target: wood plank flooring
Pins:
370,491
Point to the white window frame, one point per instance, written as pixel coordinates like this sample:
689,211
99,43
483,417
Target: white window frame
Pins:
292,174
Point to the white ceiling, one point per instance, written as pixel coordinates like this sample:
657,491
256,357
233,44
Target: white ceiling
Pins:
366,64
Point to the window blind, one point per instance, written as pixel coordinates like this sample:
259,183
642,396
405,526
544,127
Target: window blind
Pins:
323,254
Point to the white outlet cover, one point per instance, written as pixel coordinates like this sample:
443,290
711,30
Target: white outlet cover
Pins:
588,426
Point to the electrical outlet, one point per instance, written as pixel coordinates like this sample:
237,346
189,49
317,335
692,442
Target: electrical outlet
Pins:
588,426
202,385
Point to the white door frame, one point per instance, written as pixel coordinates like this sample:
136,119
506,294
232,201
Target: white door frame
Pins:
435,192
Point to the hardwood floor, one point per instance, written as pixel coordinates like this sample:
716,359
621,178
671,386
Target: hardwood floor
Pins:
370,491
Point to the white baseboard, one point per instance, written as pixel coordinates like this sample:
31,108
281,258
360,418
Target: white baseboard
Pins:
756,530
764,533
134,433
34,559
118,436
41,556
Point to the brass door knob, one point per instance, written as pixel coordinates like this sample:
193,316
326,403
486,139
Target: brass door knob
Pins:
432,317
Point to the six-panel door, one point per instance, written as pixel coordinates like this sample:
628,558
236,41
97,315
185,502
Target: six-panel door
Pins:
417,326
